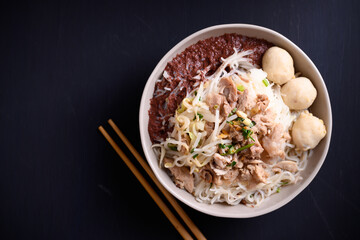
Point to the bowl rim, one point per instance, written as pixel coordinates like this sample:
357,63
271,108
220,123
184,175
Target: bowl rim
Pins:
143,126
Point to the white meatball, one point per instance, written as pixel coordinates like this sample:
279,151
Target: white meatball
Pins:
307,131
299,93
278,64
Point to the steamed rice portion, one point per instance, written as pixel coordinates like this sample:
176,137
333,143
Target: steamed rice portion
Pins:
230,140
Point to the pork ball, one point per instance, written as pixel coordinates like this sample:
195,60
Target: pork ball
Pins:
279,65
307,131
299,93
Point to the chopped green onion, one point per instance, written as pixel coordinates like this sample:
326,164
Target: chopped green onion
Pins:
246,133
278,190
266,82
232,164
232,112
244,147
284,183
225,146
216,106
230,122
200,116
192,150
222,145
231,150
195,93
241,88
172,146
252,124
195,156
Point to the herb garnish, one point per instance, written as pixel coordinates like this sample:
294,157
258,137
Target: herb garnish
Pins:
172,146
278,190
244,147
232,112
241,88
195,156
266,82
246,133
252,124
233,151
222,145
200,116
240,119
192,150
231,164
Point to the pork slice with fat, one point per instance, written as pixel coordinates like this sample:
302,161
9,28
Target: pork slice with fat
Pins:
181,176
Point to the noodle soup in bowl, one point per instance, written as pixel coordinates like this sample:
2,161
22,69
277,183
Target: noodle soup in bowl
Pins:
320,108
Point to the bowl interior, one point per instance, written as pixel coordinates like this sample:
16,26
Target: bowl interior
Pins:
321,108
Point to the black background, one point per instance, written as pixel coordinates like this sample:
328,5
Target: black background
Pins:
67,66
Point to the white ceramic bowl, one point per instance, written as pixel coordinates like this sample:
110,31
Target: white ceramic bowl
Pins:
321,108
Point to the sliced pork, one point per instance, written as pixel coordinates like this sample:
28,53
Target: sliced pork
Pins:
182,177
274,143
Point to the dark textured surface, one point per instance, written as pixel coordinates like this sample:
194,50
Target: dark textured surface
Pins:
66,67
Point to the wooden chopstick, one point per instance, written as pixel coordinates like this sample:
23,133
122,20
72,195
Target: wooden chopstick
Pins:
179,227
195,230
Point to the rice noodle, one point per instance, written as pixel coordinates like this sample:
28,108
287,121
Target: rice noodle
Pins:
195,148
